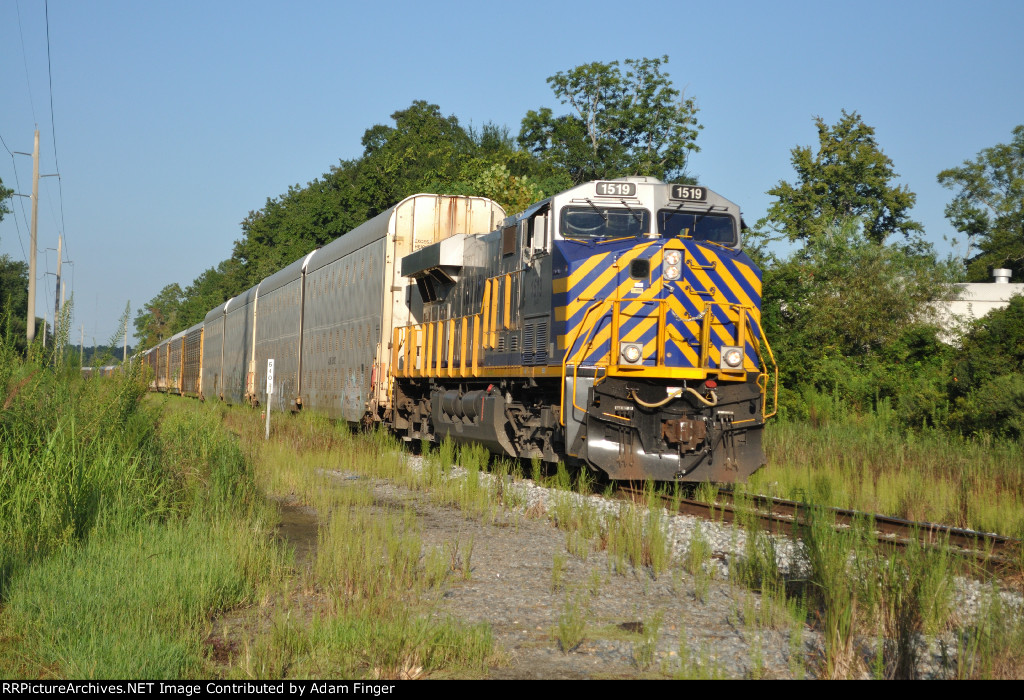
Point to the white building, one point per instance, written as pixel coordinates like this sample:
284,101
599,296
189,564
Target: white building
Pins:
975,300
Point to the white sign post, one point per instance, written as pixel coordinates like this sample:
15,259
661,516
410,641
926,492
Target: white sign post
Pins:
270,392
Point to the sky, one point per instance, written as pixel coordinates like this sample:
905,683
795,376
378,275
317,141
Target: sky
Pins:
170,121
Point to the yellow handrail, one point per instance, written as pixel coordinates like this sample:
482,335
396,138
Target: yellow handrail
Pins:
763,376
565,360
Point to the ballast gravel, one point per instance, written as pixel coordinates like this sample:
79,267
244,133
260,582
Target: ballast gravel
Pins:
514,587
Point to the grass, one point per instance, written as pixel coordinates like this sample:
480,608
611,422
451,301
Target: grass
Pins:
866,463
571,627
132,603
378,577
855,592
645,649
125,525
128,524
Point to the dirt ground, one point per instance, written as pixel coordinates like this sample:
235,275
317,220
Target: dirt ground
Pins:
637,626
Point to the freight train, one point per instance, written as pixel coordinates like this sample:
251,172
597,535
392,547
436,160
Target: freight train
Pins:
615,325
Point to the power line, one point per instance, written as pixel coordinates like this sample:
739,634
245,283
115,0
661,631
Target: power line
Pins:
53,128
24,56
21,203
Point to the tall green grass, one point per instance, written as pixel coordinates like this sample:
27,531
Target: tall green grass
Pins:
74,452
130,603
123,525
866,462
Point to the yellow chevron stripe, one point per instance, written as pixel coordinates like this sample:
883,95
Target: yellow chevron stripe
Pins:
703,279
717,329
564,284
728,278
640,329
691,355
634,306
599,284
752,279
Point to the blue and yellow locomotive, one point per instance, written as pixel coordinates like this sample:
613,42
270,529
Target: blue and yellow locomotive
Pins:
616,324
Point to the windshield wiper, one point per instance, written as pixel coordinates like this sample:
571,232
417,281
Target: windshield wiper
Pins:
603,214
636,214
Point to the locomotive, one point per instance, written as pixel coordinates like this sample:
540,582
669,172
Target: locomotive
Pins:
614,325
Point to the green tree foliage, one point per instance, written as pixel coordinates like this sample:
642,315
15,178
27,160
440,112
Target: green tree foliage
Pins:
989,206
500,170
848,176
158,319
209,290
14,300
423,151
292,225
630,122
988,376
848,317
5,194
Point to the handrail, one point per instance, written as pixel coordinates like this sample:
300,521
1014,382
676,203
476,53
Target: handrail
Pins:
744,318
756,342
565,359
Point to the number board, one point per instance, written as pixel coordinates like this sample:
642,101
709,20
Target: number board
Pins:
690,192
616,189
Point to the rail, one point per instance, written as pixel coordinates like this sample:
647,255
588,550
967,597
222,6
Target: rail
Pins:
990,551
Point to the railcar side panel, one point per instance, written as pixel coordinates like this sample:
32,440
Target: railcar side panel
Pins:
212,381
238,333
191,379
278,335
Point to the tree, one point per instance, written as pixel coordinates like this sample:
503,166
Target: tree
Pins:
13,299
850,318
5,193
988,384
158,318
849,176
422,152
623,123
989,206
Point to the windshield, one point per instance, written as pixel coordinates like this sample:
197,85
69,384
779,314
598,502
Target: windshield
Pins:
596,221
717,228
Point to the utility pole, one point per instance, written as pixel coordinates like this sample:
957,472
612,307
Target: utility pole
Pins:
44,330
31,325
81,349
56,294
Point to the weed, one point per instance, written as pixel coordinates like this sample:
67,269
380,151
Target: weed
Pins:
828,551
993,646
537,471
562,480
696,667
644,650
558,573
571,628
698,555
467,567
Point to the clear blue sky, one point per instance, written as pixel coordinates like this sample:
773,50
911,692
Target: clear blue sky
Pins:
173,120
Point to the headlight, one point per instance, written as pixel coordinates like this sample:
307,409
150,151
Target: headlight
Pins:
732,357
673,257
631,353
672,272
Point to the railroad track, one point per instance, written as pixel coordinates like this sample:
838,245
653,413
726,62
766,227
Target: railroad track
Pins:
991,552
